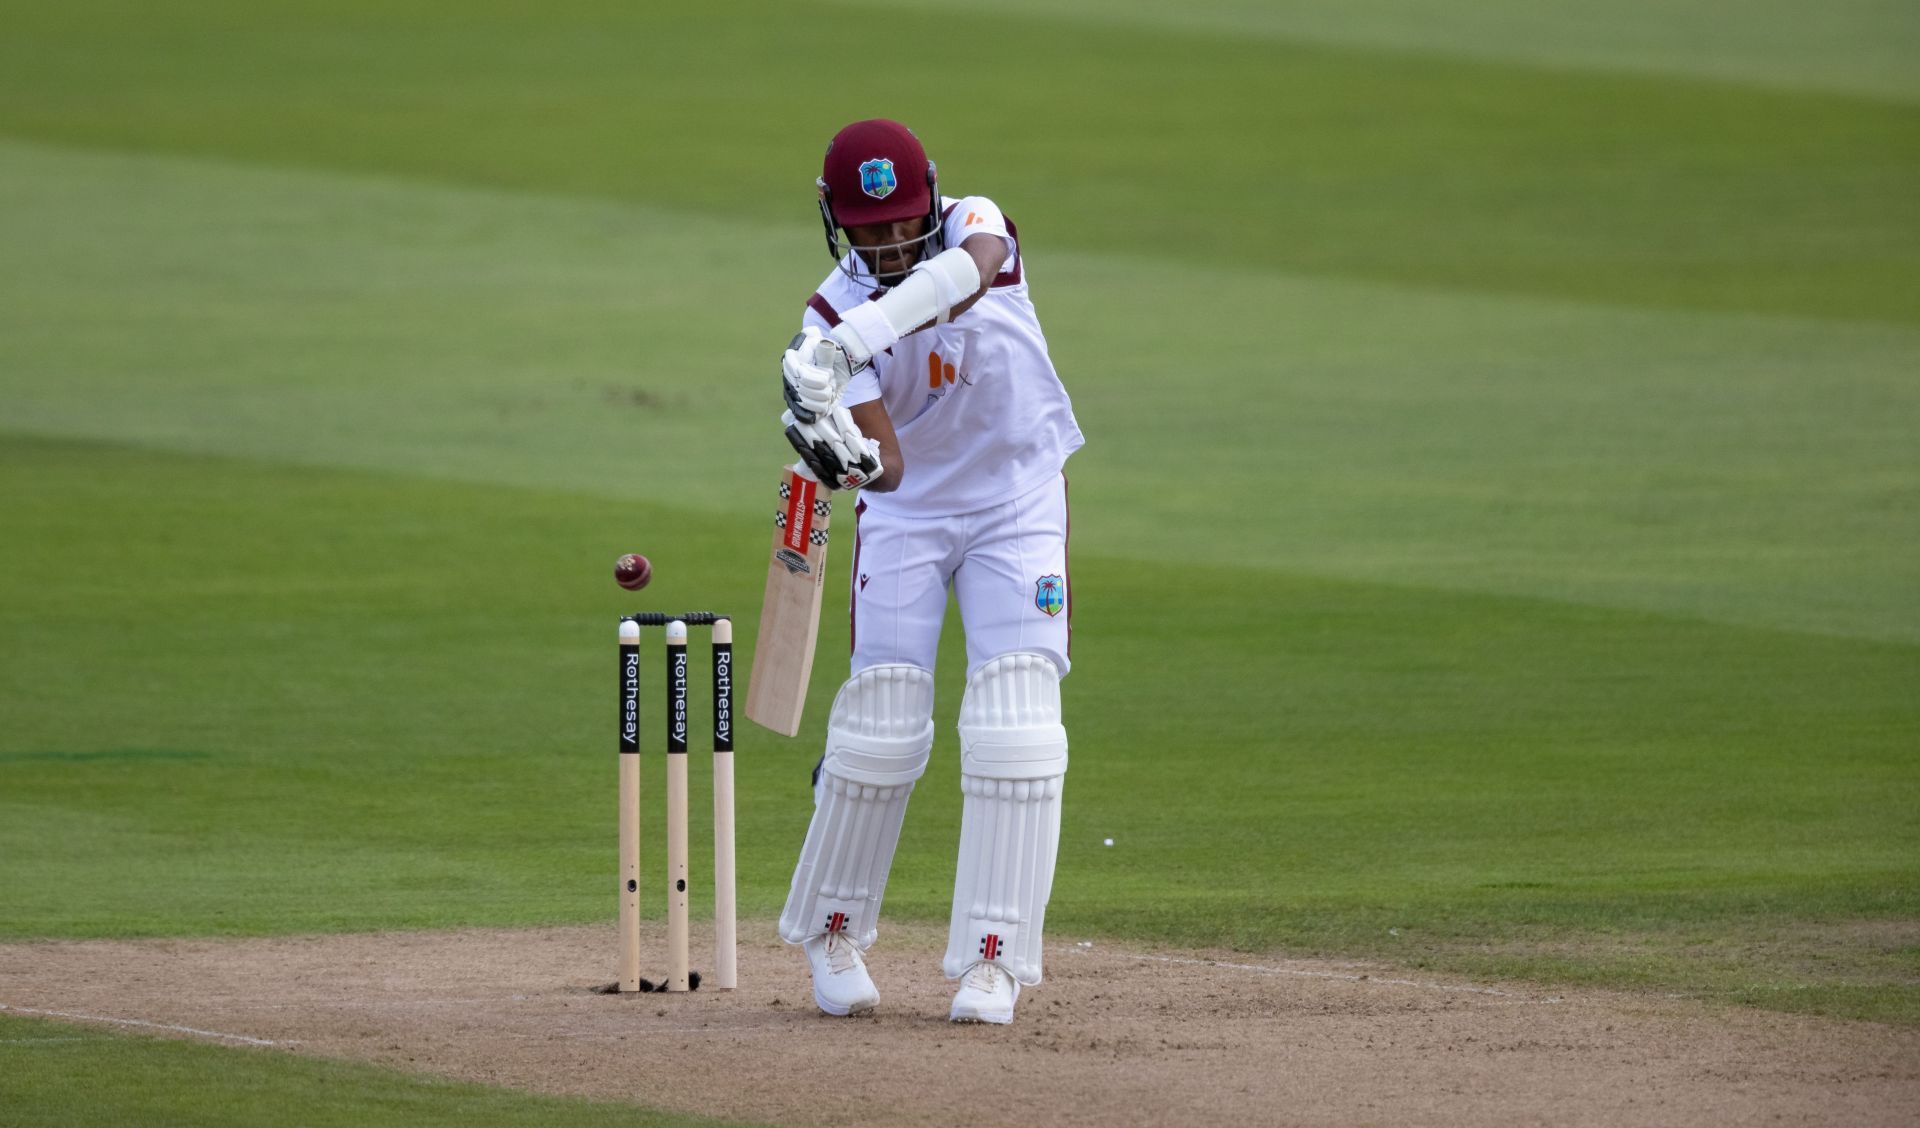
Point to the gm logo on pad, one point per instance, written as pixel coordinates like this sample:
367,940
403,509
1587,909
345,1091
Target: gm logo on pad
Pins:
877,179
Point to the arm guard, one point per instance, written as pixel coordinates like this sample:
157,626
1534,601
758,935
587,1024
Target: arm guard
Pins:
931,290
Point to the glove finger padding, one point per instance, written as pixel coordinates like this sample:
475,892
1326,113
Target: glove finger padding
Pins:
818,459
842,434
860,454
834,449
810,389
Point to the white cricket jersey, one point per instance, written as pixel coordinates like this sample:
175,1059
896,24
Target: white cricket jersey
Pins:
981,415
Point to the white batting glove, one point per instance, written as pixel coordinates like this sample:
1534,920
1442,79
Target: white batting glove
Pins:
814,370
834,449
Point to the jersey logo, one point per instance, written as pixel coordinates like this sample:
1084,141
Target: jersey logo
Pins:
877,179
939,372
1050,595
941,376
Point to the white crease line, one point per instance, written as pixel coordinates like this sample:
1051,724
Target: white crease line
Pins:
141,1023
1340,975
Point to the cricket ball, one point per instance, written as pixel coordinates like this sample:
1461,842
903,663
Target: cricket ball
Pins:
632,571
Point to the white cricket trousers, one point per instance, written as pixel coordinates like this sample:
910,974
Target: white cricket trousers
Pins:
1007,566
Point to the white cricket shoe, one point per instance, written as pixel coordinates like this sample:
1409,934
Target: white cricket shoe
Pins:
987,994
841,984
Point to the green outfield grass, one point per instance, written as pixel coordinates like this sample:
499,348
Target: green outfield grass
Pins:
1498,548
57,1073
374,702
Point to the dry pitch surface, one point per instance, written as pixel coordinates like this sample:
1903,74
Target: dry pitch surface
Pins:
1116,1035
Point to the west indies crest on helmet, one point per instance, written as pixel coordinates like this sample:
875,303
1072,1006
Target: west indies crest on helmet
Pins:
876,171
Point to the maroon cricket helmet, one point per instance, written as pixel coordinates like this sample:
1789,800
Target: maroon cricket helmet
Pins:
876,171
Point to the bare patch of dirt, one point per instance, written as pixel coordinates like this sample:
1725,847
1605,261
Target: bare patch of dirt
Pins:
1116,1035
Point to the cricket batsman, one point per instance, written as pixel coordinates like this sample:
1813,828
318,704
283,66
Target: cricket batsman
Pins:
921,378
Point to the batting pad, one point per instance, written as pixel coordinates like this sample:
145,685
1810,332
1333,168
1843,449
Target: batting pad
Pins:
1013,760
878,738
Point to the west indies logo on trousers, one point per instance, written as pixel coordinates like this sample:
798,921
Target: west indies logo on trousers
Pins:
1050,594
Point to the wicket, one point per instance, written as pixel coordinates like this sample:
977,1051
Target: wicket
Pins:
679,976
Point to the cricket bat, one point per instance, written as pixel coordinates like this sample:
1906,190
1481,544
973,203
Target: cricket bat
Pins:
790,610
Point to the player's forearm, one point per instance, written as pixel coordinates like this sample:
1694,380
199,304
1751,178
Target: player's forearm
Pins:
889,479
893,470
873,421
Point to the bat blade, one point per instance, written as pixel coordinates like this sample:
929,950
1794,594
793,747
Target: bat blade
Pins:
790,610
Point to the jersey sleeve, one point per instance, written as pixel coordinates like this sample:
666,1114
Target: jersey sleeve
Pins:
976,215
815,316
864,387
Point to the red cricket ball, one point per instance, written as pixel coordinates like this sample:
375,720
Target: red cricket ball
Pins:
632,571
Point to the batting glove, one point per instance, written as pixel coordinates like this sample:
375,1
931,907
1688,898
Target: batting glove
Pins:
834,449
